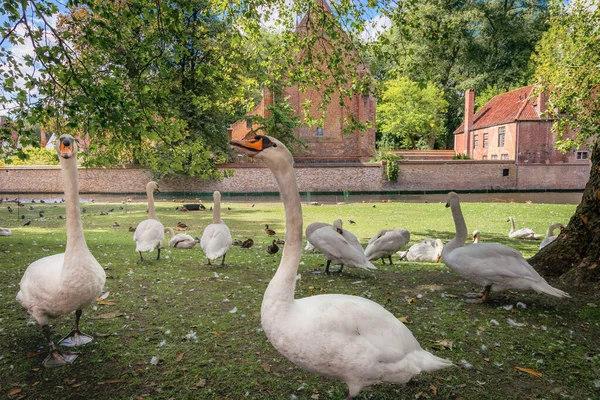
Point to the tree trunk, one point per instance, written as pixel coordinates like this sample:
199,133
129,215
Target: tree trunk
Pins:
575,254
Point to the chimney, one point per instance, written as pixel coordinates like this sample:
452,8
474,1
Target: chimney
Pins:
469,114
542,104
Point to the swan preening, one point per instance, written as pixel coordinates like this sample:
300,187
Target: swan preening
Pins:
216,239
5,232
476,236
523,233
149,234
345,337
181,240
386,243
63,283
494,266
550,236
429,250
340,246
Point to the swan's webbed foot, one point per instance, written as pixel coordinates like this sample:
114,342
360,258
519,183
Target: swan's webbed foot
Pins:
338,271
479,297
59,358
75,338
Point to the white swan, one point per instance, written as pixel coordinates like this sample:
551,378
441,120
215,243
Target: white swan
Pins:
386,243
216,239
340,247
550,236
494,266
67,282
5,232
428,250
181,240
523,233
309,231
476,236
149,234
344,337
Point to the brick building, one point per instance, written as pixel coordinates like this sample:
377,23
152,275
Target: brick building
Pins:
327,142
509,124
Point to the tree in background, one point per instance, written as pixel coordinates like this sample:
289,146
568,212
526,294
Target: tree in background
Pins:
409,116
567,69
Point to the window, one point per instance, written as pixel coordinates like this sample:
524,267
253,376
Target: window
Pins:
484,158
249,123
505,172
475,141
485,140
582,155
504,157
501,136
494,156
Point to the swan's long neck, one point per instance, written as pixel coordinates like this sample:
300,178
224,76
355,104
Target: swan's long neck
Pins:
512,225
281,287
170,231
75,238
217,211
461,230
151,210
551,229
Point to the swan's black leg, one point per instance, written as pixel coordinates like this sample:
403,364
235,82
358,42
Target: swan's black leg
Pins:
327,267
141,258
158,258
383,260
223,260
56,358
391,263
486,293
208,261
75,338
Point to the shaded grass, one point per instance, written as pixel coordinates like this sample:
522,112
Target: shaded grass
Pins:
202,323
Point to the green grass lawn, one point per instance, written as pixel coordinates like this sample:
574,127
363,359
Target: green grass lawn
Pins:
179,328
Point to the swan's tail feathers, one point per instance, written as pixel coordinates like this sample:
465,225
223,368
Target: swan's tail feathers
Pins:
309,246
369,265
402,254
544,287
428,362
537,237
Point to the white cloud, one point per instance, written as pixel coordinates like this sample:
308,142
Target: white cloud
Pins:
375,27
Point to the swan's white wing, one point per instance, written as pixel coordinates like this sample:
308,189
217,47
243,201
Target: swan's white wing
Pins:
422,251
149,235
353,241
387,244
182,241
216,240
311,228
337,248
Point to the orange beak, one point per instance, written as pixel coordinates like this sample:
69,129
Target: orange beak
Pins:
256,145
66,151
437,259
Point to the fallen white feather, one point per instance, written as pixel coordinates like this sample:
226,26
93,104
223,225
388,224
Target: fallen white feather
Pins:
233,310
465,364
521,305
494,322
514,323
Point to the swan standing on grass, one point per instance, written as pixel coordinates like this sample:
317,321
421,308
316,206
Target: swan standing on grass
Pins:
428,250
63,283
309,231
550,236
340,247
216,239
523,233
149,234
494,266
181,240
344,337
5,232
386,243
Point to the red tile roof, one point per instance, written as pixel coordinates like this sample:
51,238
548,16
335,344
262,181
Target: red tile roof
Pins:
504,108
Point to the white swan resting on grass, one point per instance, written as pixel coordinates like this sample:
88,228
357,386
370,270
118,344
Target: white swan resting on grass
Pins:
149,234
428,250
349,338
386,243
5,232
63,283
523,233
180,240
492,265
550,236
216,239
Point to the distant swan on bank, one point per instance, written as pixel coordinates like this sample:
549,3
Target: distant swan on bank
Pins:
424,251
550,236
181,240
60,284
5,232
523,233
349,338
386,243
216,239
150,233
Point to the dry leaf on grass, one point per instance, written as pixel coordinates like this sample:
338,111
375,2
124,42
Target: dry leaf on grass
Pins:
403,319
442,344
530,371
109,315
14,391
107,303
179,357
108,381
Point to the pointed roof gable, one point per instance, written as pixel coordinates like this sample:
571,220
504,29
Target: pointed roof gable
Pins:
512,106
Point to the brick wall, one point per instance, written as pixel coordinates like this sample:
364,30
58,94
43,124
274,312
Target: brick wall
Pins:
249,178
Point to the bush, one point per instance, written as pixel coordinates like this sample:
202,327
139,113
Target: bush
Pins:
460,156
33,156
391,163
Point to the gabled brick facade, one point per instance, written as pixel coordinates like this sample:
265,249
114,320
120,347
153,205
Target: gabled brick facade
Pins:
509,124
329,142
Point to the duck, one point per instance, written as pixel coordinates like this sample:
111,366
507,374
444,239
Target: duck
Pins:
5,232
216,239
181,240
523,233
149,234
550,236
476,236
349,338
340,246
62,283
273,248
494,266
429,250
246,244
386,243
269,231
